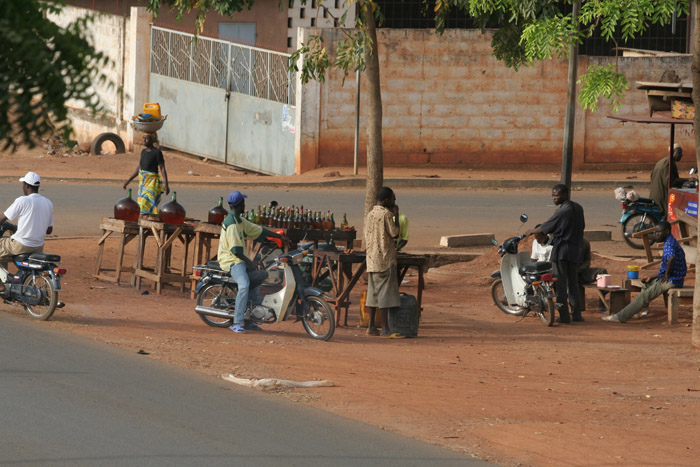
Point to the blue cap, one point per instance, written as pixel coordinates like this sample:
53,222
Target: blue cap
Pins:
235,198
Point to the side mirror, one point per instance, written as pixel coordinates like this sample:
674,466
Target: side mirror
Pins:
523,218
494,242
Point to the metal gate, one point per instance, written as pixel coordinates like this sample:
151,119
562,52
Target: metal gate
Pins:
224,101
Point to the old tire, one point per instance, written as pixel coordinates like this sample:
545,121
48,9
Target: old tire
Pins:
96,146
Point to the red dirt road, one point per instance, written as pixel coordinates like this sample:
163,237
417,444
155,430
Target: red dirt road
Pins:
475,380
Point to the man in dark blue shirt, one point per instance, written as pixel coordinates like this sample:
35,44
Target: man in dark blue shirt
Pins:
671,274
566,228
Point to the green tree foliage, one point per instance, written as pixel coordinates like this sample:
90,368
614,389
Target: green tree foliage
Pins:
200,8
42,67
532,30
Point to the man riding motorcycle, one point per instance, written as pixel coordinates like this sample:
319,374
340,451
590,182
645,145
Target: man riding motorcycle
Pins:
231,255
34,214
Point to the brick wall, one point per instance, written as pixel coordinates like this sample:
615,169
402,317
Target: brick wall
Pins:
446,100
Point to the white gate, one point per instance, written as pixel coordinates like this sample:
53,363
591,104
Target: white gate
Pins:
224,101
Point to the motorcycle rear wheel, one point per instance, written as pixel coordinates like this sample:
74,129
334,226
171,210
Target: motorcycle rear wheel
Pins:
548,311
320,321
49,298
636,223
219,296
498,294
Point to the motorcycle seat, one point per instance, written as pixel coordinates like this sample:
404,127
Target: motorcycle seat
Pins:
644,201
47,257
213,265
536,268
22,257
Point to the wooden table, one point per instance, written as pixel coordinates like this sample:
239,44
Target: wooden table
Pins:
164,236
339,267
614,298
125,231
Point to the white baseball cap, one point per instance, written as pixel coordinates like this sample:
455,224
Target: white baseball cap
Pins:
31,178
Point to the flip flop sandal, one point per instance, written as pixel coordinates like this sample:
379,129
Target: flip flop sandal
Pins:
237,328
395,335
253,327
372,333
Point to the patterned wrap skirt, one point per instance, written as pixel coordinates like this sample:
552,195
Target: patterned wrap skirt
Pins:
150,189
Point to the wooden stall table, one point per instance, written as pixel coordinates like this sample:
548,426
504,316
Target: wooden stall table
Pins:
124,231
164,236
614,299
346,269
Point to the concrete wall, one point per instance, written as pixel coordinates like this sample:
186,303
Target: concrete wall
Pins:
108,34
446,101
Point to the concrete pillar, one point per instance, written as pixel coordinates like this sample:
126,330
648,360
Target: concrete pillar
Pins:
138,68
308,108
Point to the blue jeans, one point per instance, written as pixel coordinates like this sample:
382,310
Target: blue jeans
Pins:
239,273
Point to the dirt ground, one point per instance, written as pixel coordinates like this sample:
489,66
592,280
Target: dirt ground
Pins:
475,380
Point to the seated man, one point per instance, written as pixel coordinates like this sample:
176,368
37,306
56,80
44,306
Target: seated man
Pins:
671,274
541,247
231,254
587,274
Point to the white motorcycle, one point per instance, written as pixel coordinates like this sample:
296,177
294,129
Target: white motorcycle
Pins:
523,286
216,297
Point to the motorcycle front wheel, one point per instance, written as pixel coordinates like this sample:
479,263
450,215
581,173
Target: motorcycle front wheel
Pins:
548,310
319,322
636,223
499,298
219,296
49,297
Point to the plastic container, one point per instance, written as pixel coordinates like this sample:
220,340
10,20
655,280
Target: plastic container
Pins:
152,108
603,280
364,313
633,272
405,318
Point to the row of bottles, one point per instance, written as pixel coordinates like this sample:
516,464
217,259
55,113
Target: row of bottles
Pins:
292,218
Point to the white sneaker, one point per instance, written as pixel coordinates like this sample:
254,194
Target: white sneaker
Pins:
612,318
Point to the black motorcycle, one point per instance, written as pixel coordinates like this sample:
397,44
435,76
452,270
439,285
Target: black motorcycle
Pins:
36,283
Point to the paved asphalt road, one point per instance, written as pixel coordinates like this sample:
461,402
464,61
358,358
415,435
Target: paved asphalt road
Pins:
65,400
432,212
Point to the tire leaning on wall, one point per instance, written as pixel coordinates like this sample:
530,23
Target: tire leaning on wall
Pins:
96,145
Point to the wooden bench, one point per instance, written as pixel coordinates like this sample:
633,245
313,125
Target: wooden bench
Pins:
675,297
672,298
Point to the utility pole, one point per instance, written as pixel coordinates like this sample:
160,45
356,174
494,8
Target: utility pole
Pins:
567,159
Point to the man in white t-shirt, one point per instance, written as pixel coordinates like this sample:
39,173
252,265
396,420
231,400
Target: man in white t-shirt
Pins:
34,214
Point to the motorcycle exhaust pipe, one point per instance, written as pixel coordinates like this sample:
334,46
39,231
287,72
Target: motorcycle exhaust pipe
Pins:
205,310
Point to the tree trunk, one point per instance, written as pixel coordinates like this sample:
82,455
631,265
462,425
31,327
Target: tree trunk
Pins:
696,128
375,157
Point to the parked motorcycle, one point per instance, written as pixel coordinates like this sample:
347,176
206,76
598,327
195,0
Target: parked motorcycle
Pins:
637,214
36,283
276,302
521,286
